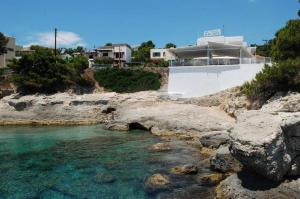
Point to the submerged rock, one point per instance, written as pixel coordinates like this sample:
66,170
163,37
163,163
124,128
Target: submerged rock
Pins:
184,170
160,147
157,182
212,179
104,178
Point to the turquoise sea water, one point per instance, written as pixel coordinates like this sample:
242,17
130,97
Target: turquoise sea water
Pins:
88,162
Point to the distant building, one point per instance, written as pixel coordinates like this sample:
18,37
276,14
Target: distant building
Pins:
117,52
162,54
10,54
21,51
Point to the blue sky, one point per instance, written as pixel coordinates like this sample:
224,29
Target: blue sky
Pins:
96,22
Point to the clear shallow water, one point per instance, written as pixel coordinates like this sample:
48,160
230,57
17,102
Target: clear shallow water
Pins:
66,162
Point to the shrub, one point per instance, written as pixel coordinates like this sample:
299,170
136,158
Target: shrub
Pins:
42,72
283,76
104,60
157,63
286,44
123,81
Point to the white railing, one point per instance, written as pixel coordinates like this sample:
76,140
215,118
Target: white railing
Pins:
205,62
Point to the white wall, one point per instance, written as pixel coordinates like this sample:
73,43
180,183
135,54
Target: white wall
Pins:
237,40
197,81
168,55
126,50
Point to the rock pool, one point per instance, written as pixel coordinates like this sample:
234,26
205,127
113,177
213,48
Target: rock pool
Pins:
90,162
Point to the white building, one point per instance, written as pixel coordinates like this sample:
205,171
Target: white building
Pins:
162,53
118,52
10,54
216,63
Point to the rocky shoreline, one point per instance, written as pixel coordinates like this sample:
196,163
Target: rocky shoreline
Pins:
249,146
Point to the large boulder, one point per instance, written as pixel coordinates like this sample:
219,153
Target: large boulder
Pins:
268,143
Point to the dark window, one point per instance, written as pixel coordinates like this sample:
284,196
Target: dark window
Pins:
156,54
105,54
119,55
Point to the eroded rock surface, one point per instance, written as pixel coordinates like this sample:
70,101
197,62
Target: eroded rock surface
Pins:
223,161
248,186
268,143
157,182
169,118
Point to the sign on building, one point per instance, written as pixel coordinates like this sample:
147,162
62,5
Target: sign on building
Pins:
213,33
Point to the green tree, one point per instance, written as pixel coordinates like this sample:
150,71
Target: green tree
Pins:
265,49
108,44
42,72
170,45
80,49
3,42
286,44
143,52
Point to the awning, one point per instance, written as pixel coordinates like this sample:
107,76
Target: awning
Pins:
212,48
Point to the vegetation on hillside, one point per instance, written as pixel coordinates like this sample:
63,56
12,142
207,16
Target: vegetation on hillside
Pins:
42,72
142,54
284,74
170,45
3,42
127,81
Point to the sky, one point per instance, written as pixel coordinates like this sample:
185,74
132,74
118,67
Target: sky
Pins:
92,23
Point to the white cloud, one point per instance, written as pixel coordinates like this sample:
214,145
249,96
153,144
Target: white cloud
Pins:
64,39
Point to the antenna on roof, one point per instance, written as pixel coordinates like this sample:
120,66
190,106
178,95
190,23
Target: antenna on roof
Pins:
223,31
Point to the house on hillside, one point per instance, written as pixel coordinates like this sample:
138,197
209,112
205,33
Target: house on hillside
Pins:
10,54
162,54
119,53
21,51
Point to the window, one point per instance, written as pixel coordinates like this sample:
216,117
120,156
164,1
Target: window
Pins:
156,54
119,55
105,54
164,54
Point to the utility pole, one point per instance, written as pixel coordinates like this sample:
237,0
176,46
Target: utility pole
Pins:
55,50
119,56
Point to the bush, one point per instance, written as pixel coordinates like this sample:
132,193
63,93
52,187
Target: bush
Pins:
42,72
104,61
127,81
284,76
157,63
286,44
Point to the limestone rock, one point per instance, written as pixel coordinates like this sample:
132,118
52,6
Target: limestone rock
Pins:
289,103
248,186
185,170
223,161
212,179
104,178
267,143
169,118
214,139
157,182
160,147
